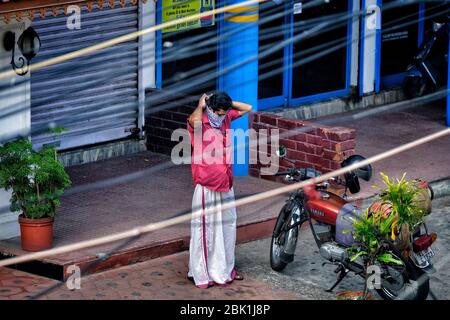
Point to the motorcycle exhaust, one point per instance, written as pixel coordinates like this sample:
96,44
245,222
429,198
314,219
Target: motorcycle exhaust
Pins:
333,252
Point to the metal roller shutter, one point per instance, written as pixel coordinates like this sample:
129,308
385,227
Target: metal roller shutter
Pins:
95,96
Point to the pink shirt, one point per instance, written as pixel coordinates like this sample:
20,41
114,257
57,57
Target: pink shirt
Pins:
216,176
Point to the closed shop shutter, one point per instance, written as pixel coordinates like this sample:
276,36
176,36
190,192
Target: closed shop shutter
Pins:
95,97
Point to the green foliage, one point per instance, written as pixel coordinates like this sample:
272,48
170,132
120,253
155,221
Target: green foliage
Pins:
36,178
370,230
373,228
402,195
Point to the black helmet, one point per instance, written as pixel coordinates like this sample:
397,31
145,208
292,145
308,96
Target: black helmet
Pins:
351,178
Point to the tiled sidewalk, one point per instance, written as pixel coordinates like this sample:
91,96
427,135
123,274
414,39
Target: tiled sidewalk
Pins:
162,278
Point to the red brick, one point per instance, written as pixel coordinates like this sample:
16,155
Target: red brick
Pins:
253,117
325,164
283,168
287,124
285,163
296,155
306,148
309,127
301,137
291,144
319,150
333,155
179,117
173,125
165,114
326,144
343,146
318,167
335,165
254,172
256,126
313,139
262,126
268,119
313,159
154,121
255,166
301,164
338,134
160,132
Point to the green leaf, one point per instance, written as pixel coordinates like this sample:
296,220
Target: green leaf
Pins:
388,258
357,255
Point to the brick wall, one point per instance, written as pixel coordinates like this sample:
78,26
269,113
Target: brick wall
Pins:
159,124
308,144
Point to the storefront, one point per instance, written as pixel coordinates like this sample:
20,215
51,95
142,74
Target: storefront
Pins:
98,96
95,96
298,43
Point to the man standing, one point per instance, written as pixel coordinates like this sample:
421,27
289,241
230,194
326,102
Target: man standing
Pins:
213,236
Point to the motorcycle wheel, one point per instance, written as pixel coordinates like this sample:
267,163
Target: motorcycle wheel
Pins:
410,283
279,241
414,87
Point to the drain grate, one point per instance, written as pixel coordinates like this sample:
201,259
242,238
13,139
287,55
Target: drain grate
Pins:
40,268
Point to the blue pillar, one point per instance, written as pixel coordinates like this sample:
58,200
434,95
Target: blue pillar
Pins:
239,68
448,87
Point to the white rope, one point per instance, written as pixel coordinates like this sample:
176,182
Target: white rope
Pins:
264,195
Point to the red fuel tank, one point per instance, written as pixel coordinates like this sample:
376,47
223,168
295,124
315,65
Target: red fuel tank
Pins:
326,209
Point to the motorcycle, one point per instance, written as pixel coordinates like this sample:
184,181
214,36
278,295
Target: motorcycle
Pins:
328,216
428,71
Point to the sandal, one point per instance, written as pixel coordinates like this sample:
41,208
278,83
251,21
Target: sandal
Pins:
238,277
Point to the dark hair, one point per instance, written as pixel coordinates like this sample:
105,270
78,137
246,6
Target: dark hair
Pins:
220,100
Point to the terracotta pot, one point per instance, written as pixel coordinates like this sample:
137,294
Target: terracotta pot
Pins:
36,234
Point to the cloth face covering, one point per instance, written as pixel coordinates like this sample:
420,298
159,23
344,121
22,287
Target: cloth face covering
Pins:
214,119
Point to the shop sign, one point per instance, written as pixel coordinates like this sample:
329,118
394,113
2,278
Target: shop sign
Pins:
178,9
298,8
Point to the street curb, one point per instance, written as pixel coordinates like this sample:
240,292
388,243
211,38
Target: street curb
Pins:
441,187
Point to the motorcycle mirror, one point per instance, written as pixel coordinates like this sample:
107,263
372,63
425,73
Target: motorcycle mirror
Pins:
437,26
281,152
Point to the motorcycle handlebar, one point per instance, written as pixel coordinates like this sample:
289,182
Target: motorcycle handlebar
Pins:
284,173
302,173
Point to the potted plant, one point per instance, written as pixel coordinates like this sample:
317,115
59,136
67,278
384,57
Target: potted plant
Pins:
402,205
37,181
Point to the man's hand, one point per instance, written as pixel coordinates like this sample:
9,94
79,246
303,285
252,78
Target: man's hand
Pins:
202,101
195,119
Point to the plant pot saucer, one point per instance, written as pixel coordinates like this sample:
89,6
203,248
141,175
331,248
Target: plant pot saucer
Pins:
353,295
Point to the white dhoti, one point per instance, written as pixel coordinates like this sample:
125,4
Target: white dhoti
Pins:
213,239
